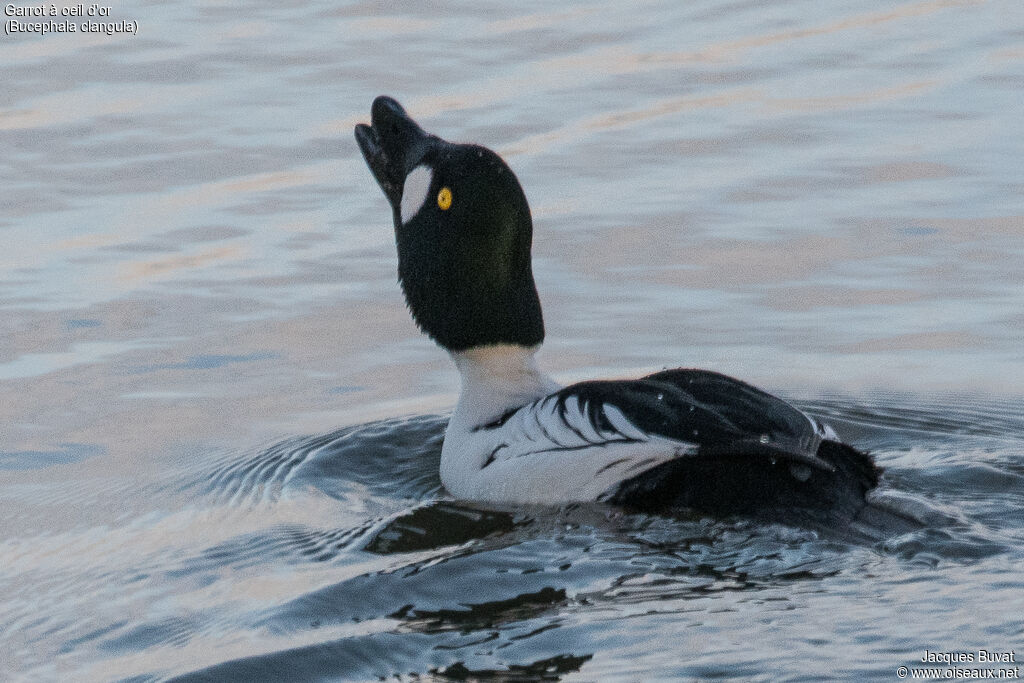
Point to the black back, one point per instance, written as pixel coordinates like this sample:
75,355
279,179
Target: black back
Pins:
705,408
749,442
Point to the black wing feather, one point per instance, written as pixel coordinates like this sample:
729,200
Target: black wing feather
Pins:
745,450
746,407
751,451
722,415
731,418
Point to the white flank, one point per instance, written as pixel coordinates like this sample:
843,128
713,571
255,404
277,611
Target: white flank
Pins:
541,453
414,193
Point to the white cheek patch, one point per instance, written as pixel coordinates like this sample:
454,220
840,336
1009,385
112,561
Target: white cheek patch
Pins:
414,194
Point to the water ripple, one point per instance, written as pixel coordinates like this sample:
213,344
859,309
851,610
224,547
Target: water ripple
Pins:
397,457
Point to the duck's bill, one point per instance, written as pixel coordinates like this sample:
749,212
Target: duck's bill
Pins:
377,160
393,144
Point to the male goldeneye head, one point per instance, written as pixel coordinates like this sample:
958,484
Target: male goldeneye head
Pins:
463,230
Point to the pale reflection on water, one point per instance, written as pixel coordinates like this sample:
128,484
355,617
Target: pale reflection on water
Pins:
198,272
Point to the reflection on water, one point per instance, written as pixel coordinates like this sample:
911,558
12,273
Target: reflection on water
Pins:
338,555
198,272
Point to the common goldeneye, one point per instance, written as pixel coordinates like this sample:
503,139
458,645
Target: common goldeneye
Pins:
681,437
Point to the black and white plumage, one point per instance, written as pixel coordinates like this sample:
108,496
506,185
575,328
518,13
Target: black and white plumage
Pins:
681,437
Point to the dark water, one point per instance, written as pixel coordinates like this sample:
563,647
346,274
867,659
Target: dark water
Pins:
338,556
208,467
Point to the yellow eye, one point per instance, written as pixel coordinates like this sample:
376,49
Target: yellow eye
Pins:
444,199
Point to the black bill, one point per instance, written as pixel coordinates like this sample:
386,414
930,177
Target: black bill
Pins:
393,144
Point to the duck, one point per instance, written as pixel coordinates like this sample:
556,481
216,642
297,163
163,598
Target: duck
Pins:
677,439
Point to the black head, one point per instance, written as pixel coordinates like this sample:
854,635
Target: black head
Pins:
463,230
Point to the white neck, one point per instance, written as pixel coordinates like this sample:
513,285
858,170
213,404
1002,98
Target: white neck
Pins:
496,379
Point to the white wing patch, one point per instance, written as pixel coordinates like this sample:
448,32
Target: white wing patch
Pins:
547,452
414,192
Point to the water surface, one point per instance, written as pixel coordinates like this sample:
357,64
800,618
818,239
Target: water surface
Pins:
219,429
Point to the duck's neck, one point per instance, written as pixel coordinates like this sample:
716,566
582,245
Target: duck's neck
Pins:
496,379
